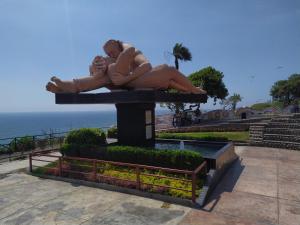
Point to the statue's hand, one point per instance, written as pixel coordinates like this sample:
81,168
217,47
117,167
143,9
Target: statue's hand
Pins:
98,65
117,79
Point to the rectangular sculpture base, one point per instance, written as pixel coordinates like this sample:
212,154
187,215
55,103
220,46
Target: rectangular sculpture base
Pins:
136,124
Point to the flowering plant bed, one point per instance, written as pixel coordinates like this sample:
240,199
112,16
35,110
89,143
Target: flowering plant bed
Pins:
184,184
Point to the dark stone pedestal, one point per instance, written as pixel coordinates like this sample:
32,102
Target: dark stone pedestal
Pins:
135,110
136,124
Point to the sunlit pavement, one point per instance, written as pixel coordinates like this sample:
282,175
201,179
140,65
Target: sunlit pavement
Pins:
262,188
25,199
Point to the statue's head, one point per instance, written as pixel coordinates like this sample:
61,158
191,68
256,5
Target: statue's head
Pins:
113,48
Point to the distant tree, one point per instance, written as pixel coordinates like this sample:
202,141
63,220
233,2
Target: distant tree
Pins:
181,52
225,103
294,85
211,80
174,107
231,101
234,99
261,105
287,91
265,105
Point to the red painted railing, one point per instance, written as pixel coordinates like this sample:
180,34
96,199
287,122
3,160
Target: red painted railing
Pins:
137,168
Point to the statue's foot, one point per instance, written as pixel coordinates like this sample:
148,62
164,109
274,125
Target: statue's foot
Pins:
198,90
55,79
52,88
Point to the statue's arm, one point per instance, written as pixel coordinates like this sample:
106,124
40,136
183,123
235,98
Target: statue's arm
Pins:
119,79
98,66
142,69
122,75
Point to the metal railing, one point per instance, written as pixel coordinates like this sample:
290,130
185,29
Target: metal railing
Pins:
20,146
62,168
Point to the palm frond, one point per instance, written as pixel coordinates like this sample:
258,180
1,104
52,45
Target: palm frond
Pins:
181,52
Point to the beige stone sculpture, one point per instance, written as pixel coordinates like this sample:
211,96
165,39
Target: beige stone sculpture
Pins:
125,68
97,79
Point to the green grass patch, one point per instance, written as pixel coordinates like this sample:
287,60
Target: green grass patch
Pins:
208,136
49,168
265,105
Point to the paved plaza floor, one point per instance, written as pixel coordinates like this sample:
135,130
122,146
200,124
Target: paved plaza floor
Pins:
263,187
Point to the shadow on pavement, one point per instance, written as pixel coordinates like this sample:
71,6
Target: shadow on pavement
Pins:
226,184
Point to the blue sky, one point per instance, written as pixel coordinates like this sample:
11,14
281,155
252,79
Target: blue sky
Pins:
254,43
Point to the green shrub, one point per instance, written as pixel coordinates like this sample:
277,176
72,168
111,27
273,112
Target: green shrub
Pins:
86,136
208,136
162,158
22,144
84,151
112,132
265,105
4,149
177,159
191,137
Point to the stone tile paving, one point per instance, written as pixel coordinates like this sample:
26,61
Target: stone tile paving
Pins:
10,167
26,199
262,188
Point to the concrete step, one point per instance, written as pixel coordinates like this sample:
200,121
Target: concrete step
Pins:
283,125
256,140
256,143
256,127
281,144
284,116
259,124
256,132
286,131
285,120
256,135
282,137
296,115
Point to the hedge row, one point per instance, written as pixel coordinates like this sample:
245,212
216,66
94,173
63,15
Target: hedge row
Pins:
176,159
190,137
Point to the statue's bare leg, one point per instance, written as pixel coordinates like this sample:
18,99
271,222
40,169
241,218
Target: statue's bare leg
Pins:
164,77
87,83
174,85
187,89
124,61
180,82
66,86
121,68
91,82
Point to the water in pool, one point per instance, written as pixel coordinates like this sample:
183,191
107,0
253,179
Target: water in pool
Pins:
205,150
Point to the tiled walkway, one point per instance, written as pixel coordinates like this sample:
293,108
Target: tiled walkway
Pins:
262,188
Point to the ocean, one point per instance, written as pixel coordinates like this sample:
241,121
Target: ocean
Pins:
35,123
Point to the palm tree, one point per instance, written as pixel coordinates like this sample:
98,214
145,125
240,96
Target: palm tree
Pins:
181,52
234,99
